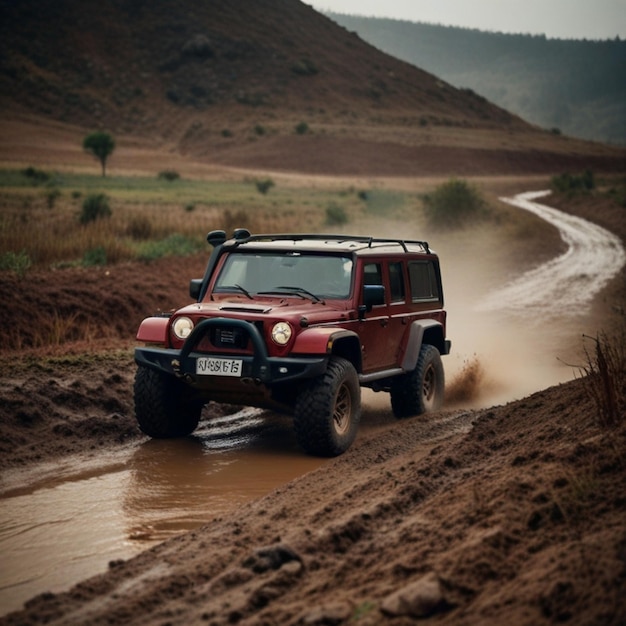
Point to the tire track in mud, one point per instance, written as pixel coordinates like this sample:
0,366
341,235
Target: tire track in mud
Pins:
566,285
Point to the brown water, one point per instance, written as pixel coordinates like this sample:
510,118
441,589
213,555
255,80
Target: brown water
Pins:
73,518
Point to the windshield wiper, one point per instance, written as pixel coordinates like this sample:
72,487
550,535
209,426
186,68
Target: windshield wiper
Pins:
240,288
298,291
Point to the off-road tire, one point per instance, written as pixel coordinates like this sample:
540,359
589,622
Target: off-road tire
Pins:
420,390
161,407
328,410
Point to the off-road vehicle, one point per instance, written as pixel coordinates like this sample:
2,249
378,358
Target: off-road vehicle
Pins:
298,323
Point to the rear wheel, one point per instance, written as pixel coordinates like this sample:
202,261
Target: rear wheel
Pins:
420,390
328,410
162,407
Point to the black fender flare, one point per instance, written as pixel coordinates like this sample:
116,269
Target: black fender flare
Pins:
423,331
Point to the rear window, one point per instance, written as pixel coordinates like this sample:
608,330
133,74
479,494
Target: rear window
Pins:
423,279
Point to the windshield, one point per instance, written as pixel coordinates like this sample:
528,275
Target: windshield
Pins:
286,273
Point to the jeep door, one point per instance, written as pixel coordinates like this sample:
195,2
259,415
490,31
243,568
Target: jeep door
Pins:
379,348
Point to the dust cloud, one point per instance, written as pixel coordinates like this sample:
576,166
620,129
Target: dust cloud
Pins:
514,340
498,355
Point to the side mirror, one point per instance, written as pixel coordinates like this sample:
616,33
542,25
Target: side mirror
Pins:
373,295
195,287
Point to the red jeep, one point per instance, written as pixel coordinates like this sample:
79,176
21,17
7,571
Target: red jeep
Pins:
297,324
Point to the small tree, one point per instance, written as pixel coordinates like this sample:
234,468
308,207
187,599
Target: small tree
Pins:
263,186
101,145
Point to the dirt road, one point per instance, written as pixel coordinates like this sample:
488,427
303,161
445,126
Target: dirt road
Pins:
568,284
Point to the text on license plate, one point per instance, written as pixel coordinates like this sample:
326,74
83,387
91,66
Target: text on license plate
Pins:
218,367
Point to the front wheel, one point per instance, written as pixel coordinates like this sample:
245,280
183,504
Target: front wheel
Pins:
328,410
162,407
420,390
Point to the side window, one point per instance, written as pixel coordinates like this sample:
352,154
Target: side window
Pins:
372,274
423,281
396,282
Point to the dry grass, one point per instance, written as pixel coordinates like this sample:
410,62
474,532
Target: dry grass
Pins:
146,213
604,374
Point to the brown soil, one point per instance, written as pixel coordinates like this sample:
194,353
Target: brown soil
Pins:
519,520
510,514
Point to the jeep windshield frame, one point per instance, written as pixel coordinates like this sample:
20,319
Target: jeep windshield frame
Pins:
266,272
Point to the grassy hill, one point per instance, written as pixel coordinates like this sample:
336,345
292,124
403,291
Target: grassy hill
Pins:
577,87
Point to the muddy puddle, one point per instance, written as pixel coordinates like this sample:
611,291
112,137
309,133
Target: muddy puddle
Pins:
67,521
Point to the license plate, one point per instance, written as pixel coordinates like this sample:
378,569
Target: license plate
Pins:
210,366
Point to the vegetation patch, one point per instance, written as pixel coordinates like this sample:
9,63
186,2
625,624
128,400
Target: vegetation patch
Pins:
169,175
573,183
604,374
454,204
17,262
173,245
336,215
95,207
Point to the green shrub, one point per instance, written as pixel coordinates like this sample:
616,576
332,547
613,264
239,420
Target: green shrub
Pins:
95,257
259,130
227,133
36,175
95,206
573,183
302,128
263,186
173,245
453,204
335,215
17,262
169,175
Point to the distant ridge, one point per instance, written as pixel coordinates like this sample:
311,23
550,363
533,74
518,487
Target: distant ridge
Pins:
576,86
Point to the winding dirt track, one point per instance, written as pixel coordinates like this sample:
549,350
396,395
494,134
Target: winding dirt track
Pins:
567,284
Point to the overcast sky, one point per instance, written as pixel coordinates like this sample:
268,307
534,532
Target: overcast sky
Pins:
564,19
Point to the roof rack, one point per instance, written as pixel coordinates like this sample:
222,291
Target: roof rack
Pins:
368,241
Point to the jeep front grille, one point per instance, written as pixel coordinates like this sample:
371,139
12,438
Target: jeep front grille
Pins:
225,337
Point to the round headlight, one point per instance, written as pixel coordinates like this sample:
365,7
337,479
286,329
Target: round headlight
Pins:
182,327
281,333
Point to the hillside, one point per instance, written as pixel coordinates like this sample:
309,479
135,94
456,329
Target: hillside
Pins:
265,83
574,86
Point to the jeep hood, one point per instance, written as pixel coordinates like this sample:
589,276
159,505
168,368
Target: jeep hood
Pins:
290,305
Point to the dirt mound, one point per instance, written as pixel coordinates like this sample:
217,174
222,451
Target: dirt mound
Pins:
517,520
91,305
